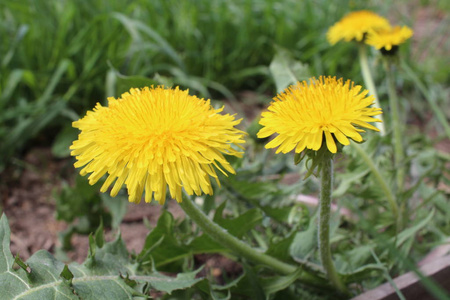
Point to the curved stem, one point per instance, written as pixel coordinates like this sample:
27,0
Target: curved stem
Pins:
396,126
326,183
227,240
370,85
381,182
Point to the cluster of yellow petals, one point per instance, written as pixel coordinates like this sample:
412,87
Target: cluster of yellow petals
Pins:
387,38
355,25
303,115
153,138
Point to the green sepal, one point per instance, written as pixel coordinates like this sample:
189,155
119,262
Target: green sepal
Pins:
315,159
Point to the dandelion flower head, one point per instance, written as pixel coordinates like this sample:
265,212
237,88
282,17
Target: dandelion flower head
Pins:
355,26
153,138
388,38
303,116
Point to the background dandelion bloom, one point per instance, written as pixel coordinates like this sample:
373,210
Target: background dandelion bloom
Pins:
303,115
388,38
355,25
152,138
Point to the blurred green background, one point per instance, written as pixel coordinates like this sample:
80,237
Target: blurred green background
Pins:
58,58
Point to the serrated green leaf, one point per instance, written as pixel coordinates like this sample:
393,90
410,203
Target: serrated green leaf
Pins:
169,249
99,236
66,274
281,249
113,275
168,284
411,231
43,282
216,292
362,273
305,241
12,282
353,259
249,285
274,284
205,244
347,179
240,225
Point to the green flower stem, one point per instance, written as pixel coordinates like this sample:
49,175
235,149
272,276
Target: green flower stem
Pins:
370,85
326,185
227,240
396,126
381,182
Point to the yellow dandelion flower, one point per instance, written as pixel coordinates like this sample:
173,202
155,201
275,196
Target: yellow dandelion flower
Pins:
355,26
388,38
152,138
303,115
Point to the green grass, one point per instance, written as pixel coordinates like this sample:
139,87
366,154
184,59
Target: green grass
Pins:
59,58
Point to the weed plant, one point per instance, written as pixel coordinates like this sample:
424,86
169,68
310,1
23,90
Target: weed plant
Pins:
58,58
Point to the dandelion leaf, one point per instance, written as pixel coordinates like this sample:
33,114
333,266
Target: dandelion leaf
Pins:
109,272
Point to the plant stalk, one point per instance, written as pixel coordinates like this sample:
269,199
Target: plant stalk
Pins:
369,83
381,183
326,185
227,240
396,126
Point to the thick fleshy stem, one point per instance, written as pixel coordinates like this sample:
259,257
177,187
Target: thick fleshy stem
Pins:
227,240
369,83
396,125
326,186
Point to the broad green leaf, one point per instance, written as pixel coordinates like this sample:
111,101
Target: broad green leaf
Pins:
217,292
237,227
347,179
240,225
274,284
168,284
43,282
353,259
205,244
170,249
249,285
362,273
281,249
286,70
109,273
304,241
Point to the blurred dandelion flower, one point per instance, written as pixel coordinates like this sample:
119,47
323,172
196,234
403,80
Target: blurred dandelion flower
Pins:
387,39
152,138
355,26
303,115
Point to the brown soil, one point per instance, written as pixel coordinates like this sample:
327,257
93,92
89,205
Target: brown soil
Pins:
27,198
